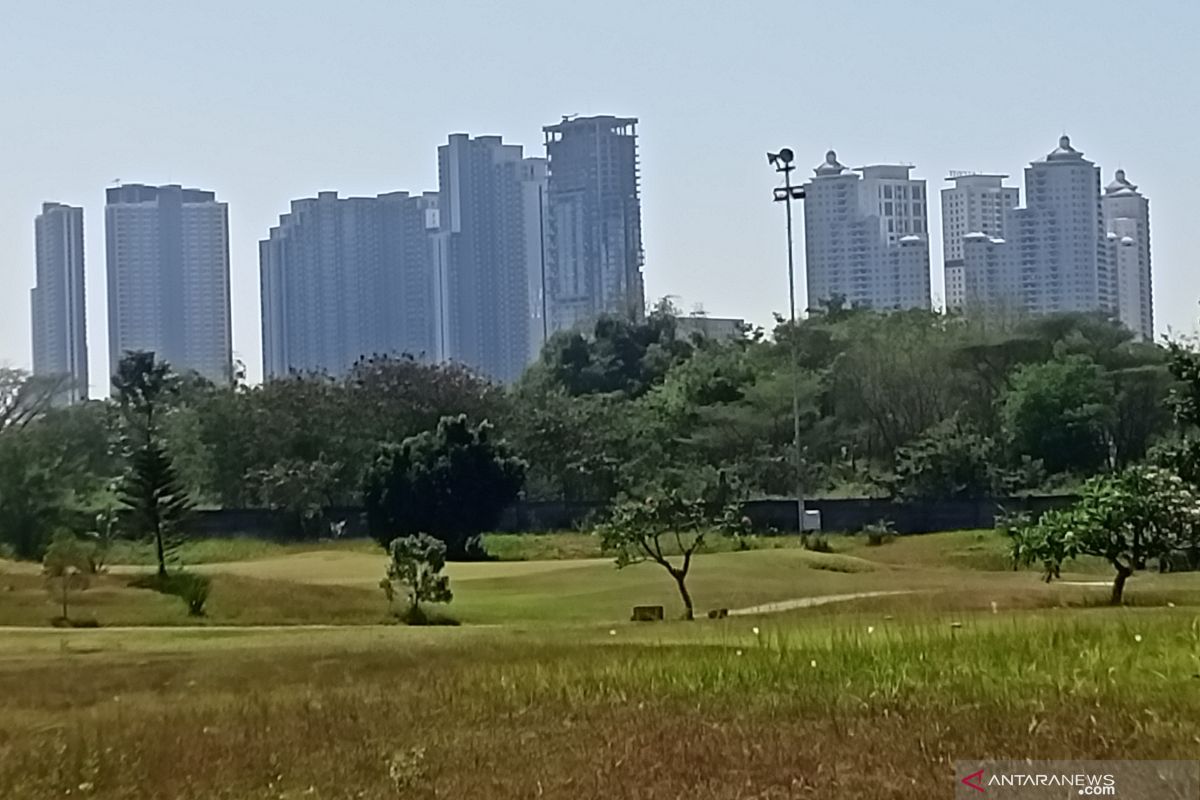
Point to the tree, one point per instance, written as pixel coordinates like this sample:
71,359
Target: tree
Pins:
415,567
303,490
619,356
1126,518
151,490
644,529
67,566
1059,412
451,483
953,460
24,398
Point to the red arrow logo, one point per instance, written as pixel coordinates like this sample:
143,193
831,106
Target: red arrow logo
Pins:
974,780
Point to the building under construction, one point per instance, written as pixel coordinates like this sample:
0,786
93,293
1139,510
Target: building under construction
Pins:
593,221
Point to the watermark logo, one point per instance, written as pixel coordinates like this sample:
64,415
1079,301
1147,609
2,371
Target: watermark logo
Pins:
1033,780
974,780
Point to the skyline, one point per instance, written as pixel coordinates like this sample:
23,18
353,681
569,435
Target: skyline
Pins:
261,135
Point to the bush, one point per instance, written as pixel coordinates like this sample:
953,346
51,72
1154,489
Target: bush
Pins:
452,484
190,587
816,543
880,533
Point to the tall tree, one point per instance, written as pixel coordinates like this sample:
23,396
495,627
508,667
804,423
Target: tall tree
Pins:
151,490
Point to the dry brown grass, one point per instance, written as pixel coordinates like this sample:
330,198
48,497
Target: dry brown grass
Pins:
723,714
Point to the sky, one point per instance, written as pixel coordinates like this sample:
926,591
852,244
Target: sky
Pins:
268,101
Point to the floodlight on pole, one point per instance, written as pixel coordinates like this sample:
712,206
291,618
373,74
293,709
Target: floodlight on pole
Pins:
782,162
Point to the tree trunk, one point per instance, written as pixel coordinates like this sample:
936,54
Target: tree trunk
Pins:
64,598
1118,588
161,551
680,580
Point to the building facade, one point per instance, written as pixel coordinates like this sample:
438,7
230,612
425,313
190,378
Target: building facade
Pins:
1127,221
58,300
1053,255
487,249
167,251
347,278
976,203
593,221
720,328
866,236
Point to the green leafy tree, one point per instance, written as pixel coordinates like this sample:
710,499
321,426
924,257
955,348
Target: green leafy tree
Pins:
619,355
953,460
1125,518
415,569
669,522
67,567
156,500
1059,412
452,483
304,490
34,497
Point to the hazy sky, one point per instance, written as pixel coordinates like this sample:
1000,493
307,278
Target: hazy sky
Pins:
266,101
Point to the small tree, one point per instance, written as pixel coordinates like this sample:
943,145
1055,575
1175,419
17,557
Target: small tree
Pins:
1127,518
67,567
157,500
415,569
644,530
451,483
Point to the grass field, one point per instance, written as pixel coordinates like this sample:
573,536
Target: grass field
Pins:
546,690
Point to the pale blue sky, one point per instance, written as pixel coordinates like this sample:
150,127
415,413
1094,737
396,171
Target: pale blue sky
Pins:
268,101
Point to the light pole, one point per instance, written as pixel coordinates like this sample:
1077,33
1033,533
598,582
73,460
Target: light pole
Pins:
782,162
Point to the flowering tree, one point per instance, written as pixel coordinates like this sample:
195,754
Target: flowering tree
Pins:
1126,518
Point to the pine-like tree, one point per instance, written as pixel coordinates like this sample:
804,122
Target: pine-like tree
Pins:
156,500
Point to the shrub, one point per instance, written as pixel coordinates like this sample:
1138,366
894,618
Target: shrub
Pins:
190,587
880,533
416,569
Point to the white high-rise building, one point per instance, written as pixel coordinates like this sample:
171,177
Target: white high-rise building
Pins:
975,204
57,301
866,236
1054,254
348,278
168,277
1127,219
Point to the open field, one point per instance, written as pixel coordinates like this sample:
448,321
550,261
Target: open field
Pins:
546,690
827,708
338,584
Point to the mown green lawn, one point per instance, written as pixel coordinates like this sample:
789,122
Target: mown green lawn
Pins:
338,584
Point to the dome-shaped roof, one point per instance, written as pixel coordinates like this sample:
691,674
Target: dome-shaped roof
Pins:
1120,185
1064,151
830,166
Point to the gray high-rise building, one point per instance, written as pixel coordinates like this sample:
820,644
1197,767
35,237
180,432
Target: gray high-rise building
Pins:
57,301
593,221
487,247
168,277
348,278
